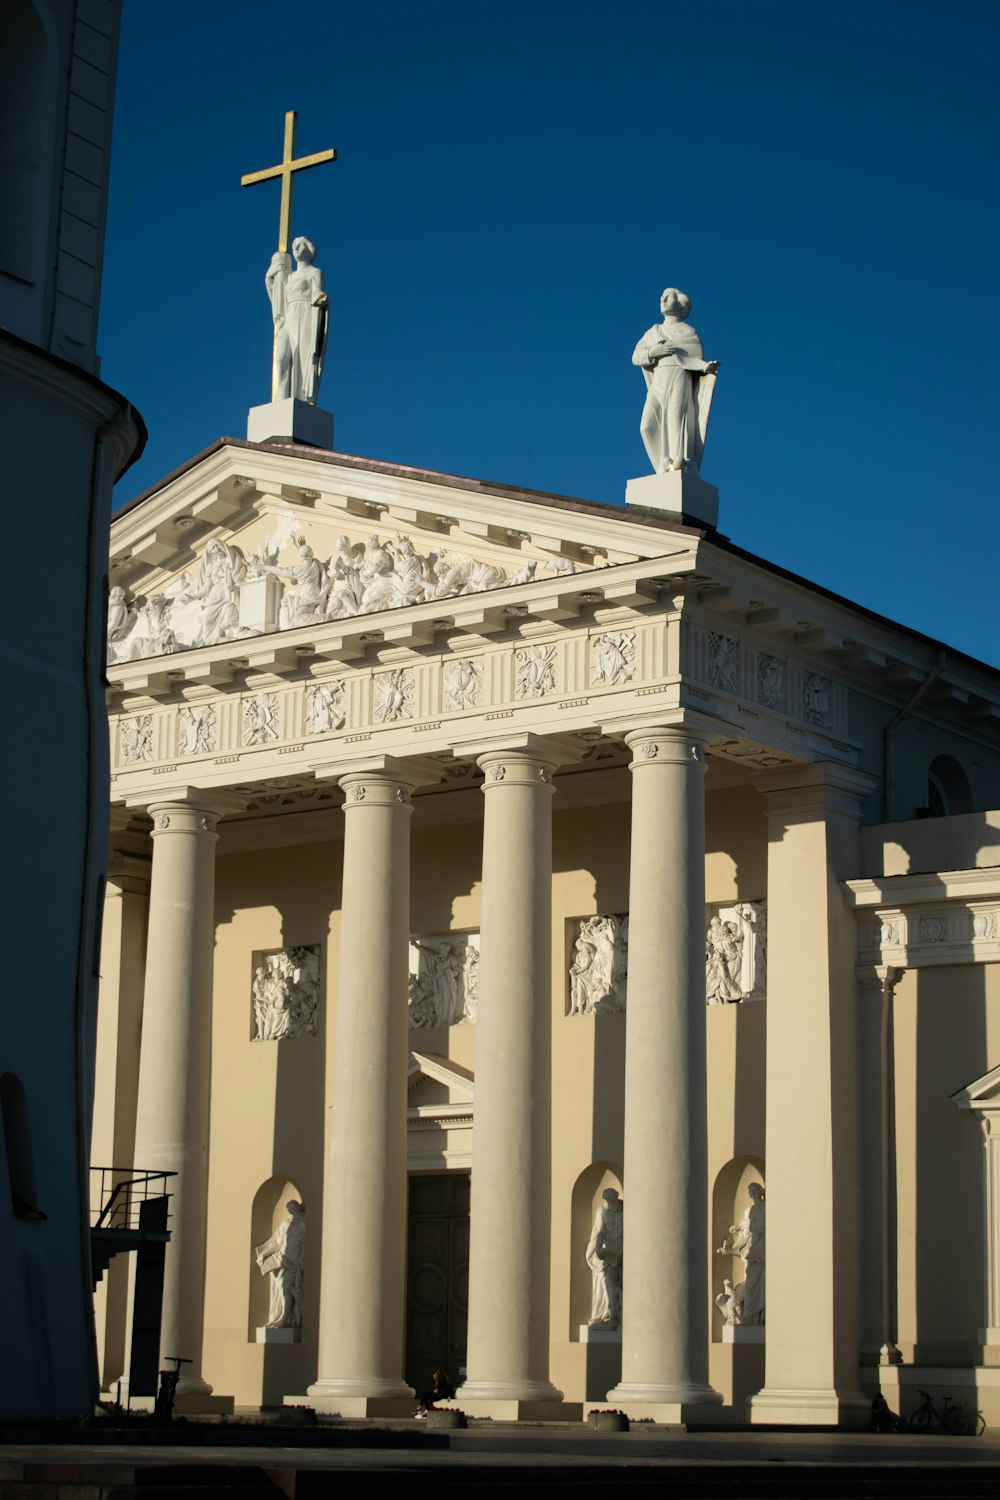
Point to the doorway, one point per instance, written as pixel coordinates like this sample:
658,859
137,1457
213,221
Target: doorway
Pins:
437,1278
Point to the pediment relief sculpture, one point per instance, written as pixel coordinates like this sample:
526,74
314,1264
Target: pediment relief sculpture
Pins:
203,607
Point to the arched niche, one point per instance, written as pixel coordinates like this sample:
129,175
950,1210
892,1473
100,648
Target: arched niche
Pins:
27,108
948,789
265,1216
587,1191
18,1147
729,1204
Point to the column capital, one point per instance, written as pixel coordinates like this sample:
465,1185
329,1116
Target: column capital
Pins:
823,786
372,767
551,750
671,744
216,802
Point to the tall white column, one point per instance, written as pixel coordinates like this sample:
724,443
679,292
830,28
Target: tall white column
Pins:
665,1329
508,1347
813,1162
364,1219
172,1117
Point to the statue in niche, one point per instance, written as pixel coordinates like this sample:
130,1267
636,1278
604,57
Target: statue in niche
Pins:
286,994
680,384
604,1257
214,594
308,576
444,989
301,312
282,1258
730,1302
746,1239
598,971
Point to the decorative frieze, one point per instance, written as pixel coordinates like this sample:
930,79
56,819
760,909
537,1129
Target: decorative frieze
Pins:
285,994
393,696
598,971
770,681
196,729
463,683
816,700
536,672
135,738
260,718
444,979
612,657
723,662
325,707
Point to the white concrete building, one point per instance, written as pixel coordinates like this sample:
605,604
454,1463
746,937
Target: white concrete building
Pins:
525,849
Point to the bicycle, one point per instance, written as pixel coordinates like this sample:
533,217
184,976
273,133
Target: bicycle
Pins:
953,1418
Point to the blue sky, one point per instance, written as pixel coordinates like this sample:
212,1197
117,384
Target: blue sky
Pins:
515,185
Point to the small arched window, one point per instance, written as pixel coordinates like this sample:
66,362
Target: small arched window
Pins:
948,789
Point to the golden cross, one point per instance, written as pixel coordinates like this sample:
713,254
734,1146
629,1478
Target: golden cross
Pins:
284,170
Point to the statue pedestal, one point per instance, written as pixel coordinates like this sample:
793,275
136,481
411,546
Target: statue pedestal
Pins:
591,1333
680,495
743,1333
277,1335
260,601
290,421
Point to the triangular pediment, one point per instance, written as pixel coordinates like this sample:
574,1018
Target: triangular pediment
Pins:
982,1094
434,1080
252,540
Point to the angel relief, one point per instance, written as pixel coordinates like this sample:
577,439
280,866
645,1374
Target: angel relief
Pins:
359,578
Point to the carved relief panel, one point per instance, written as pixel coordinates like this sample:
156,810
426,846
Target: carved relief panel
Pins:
736,953
444,979
285,993
598,970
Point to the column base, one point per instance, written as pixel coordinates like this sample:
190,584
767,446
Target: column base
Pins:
682,1405
358,1398
198,1403
355,1407
799,1407
515,1409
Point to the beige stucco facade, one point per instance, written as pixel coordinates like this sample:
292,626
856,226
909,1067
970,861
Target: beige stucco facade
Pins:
485,763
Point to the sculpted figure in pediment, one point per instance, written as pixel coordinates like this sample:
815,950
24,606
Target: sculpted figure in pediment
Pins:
214,594
458,573
346,588
309,578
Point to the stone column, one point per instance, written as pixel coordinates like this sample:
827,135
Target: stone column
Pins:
813,1164
364,1213
508,1348
665,1328
172,1117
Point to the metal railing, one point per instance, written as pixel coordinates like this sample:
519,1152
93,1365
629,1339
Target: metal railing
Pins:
118,1193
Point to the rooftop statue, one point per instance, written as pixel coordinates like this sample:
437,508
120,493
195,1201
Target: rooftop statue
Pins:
680,383
301,312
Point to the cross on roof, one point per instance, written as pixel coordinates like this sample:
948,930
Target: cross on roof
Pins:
284,170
